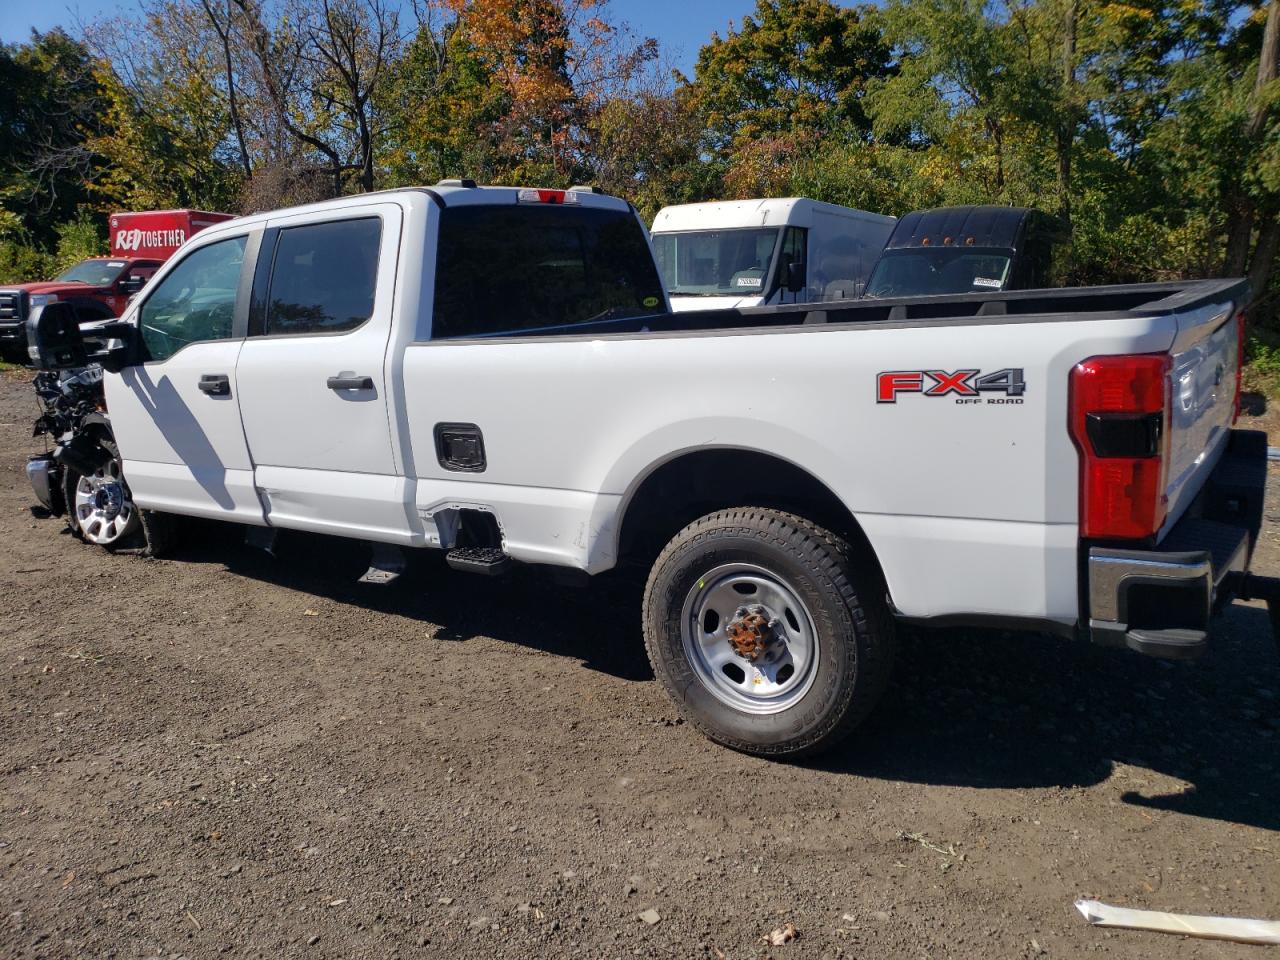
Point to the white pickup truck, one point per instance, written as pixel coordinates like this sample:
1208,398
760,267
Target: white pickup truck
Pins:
494,372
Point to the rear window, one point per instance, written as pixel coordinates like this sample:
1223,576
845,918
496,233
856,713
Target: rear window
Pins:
540,269
324,277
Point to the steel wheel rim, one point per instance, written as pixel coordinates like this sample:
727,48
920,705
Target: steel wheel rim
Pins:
780,677
103,507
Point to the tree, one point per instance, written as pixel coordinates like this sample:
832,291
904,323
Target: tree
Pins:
50,106
796,69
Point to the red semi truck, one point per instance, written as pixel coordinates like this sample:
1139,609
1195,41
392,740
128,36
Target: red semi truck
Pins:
100,287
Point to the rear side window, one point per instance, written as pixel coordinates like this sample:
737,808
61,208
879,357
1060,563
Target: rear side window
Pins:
323,277
539,269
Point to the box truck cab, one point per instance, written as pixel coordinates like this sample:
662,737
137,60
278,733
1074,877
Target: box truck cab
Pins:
99,288
751,253
973,249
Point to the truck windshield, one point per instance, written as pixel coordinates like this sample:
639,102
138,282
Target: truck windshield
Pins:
715,263
96,273
540,268
921,272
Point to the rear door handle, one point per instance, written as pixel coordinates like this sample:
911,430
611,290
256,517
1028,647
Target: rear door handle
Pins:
350,383
215,384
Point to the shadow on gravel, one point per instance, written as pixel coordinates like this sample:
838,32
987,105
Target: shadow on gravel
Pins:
995,709
983,709
600,626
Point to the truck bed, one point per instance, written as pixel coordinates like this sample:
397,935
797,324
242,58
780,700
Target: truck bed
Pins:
1027,306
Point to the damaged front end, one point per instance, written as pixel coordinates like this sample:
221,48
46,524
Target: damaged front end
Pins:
70,400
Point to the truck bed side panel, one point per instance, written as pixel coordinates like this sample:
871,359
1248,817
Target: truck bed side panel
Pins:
984,489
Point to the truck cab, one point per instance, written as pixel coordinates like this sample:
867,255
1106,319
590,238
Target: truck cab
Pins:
972,249
752,253
99,288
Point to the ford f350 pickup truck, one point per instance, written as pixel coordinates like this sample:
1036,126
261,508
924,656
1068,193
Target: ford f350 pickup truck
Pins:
493,372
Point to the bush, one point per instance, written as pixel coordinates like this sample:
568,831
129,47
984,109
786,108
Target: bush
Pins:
22,261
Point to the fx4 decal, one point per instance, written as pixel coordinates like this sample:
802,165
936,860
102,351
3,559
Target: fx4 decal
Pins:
967,385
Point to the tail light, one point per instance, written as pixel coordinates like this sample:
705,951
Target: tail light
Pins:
1119,419
1239,361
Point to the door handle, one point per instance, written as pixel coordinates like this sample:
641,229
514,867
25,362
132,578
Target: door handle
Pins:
350,383
215,384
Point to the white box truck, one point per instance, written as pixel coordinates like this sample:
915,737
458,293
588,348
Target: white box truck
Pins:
753,253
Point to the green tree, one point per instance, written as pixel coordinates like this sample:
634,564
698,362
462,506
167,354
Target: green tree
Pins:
50,108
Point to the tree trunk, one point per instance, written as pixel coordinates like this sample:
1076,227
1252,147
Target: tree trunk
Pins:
1241,208
1264,257
1067,124
1239,234
224,35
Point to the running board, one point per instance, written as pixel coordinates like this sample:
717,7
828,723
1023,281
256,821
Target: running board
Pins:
387,563
489,561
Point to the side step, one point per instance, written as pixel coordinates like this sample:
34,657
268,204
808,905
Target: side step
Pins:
1171,644
387,564
489,561
261,538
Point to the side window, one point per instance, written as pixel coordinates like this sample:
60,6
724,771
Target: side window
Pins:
323,277
793,252
195,302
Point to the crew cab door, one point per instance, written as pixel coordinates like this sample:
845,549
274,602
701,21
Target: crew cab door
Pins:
313,391
175,414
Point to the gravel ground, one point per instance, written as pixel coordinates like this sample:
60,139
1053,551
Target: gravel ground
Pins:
225,754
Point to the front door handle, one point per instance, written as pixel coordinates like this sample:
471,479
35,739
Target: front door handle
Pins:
350,383
215,384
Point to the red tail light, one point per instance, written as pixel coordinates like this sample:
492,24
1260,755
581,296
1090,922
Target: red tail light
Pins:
1119,418
1239,361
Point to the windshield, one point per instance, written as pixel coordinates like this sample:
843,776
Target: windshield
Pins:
96,273
921,272
711,263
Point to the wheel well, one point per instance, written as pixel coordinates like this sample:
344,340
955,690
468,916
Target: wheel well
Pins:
695,484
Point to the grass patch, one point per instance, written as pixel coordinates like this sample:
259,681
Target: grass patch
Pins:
1262,364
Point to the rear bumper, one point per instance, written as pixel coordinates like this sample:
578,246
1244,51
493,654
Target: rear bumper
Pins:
1161,602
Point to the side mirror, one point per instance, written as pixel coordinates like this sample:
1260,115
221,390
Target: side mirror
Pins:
796,276
53,337
131,284
101,336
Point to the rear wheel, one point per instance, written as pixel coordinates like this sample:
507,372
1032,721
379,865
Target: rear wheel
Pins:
765,629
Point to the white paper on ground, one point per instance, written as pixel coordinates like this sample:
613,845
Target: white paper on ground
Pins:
1239,929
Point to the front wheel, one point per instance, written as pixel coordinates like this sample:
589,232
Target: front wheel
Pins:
100,508
767,632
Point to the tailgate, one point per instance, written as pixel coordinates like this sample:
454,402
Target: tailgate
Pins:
1204,377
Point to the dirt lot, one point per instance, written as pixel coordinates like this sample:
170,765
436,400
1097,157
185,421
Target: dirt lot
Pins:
226,754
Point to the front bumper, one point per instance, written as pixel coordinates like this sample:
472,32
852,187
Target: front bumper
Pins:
1161,602
13,316
41,471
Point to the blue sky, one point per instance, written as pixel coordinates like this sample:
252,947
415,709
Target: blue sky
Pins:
682,26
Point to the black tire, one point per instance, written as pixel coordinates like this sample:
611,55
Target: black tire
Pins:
148,534
846,604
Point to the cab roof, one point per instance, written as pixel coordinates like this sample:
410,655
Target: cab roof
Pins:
446,192
988,226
